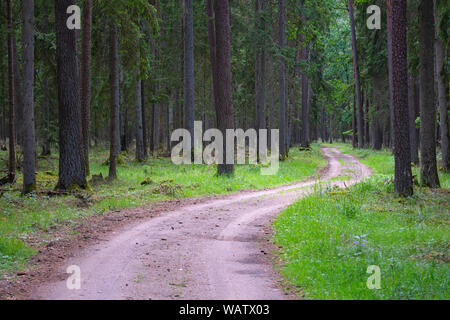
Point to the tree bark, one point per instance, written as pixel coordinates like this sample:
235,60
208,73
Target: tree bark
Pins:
357,79
144,120
441,67
402,152
11,76
428,166
224,98
391,95
189,89
29,142
282,80
71,171
86,81
114,99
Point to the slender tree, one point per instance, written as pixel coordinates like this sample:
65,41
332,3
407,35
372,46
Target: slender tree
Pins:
71,171
86,81
189,68
29,144
442,84
282,80
428,166
11,75
224,98
139,132
114,98
357,78
402,151
260,66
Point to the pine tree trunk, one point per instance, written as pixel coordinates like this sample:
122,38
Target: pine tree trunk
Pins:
224,98
412,120
189,89
391,95
442,91
282,80
402,151
428,166
11,76
139,132
357,79
29,144
71,171
144,120
114,101
86,81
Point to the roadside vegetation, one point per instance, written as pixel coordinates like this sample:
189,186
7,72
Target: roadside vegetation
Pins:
138,184
331,237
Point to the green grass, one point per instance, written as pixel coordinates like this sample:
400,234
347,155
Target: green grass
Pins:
382,162
22,217
330,238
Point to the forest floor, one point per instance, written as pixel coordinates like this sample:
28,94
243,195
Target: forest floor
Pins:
36,230
331,237
216,248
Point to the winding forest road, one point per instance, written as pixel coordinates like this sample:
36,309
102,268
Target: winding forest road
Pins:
213,250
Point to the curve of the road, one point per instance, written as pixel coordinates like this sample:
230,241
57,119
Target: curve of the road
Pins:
211,250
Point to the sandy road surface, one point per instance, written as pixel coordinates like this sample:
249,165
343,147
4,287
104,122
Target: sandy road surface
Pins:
212,250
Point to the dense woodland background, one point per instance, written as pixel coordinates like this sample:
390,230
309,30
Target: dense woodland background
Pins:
139,69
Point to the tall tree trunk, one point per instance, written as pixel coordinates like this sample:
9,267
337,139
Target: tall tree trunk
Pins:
391,94
86,81
271,99
71,171
304,141
18,94
367,122
354,128
428,166
357,80
260,96
114,100
139,132
144,120
402,151
29,142
224,98
282,80
412,119
11,75
189,89
442,83
46,145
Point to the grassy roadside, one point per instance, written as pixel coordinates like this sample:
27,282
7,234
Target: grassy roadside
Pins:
330,238
138,184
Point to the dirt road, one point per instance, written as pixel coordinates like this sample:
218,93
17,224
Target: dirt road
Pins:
212,250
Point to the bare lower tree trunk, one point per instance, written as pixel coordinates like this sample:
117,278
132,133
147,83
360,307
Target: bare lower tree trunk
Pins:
18,94
114,99
139,132
29,143
86,81
442,84
428,166
189,89
282,80
357,79
271,98
224,98
71,171
412,120
260,96
402,151
354,128
11,75
391,95
144,120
